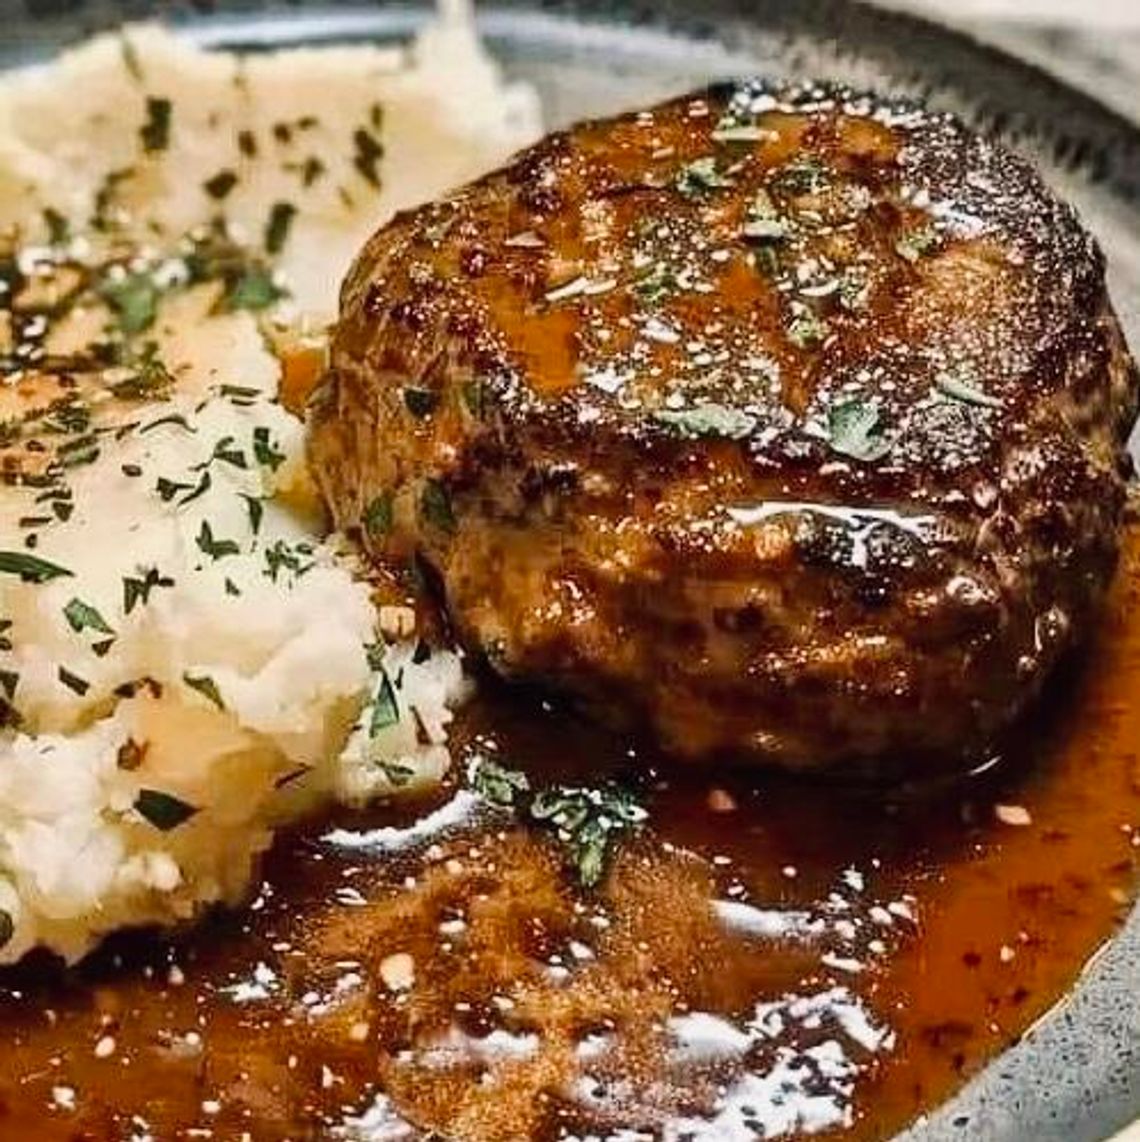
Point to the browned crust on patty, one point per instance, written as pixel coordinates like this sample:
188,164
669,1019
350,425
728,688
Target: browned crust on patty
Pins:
790,419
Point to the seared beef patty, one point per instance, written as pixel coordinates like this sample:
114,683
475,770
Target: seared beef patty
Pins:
790,421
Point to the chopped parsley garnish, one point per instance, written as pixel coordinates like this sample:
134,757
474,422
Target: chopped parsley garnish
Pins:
133,299
226,453
368,151
420,402
168,489
231,587
219,186
278,227
801,176
214,548
385,709
30,568
311,170
281,557
807,330
203,486
435,506
150,377
253,289
912,244
498,785
82,616
174,418
205,686
265,451
59,229
656,284
155,132
377,518
854,430
256,510
697,178
163,810
956,386
136,591
586,822
241,395
73,682
762,222
854,291
708,420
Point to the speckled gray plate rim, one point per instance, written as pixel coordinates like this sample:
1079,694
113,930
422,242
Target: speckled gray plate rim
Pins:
1075,1077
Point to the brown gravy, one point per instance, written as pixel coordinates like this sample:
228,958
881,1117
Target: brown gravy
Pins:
768,955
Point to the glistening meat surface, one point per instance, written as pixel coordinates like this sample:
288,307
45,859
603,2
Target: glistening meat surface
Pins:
789,421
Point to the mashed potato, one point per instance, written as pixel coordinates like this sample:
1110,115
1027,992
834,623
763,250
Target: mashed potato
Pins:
186,663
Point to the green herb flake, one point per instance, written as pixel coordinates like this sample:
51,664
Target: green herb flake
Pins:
253,289
762,222
435,506
155,132
912,244
219,186
265,451
247,143
699,177
58,228
656,284
214,548
231,587
137,591
168,489
497,784
587,823
73,682
957,387
174,418
854,430
82,616
225,452
385,709
163,810
256,509
377,517
133,298
367,153
801,176
806,330
708,420
277,228
30,568
205,686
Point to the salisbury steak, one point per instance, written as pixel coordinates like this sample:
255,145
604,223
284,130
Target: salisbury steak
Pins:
788,419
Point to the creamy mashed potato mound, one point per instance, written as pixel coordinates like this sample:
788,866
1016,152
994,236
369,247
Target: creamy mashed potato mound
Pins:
186,661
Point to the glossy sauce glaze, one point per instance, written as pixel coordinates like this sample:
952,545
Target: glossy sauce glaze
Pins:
767,956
